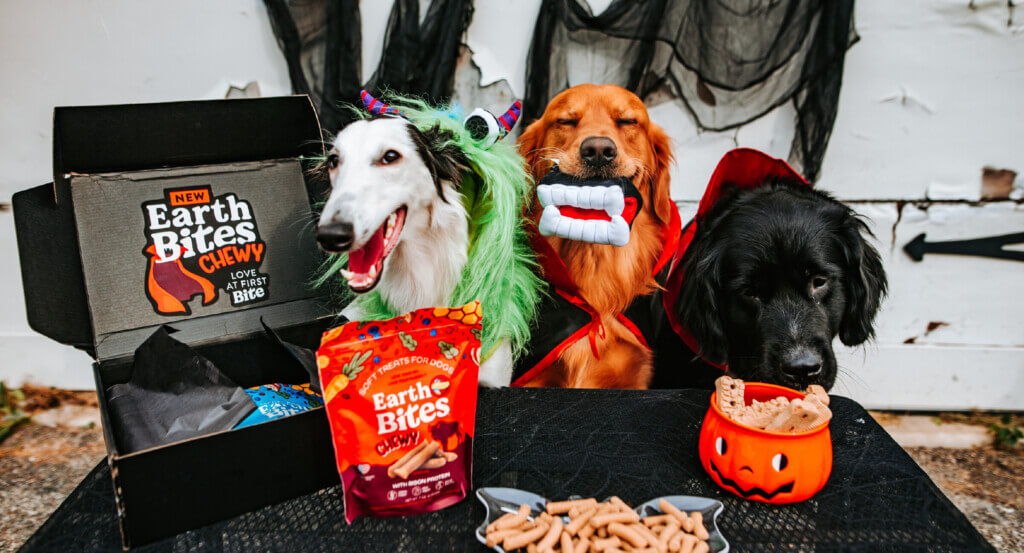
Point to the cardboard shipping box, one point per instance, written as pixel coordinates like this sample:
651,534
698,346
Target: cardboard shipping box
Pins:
195,217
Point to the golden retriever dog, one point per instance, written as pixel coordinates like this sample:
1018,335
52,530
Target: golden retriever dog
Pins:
604,132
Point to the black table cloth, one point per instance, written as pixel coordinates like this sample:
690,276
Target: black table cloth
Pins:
634,444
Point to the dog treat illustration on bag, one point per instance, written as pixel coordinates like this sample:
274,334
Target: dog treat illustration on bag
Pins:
401,402
198,244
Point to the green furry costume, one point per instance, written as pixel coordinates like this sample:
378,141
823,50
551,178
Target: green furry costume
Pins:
500,270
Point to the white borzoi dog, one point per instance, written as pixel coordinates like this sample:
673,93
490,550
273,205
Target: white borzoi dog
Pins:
398,211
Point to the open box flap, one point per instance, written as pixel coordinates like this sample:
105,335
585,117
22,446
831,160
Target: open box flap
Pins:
116,152
130,137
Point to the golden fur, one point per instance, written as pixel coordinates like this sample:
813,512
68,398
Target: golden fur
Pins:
608,277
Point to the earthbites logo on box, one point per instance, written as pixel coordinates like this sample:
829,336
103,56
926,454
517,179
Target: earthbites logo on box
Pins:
198,244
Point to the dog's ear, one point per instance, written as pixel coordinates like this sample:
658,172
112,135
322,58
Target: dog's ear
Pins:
529,144
442,156
661,194
864,281
697,305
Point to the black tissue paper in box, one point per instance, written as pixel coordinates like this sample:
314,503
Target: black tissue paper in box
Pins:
174,394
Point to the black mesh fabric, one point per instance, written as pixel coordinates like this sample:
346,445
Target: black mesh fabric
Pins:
635,444
728,61
322,44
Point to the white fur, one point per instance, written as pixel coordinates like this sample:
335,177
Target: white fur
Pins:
425,266
496,370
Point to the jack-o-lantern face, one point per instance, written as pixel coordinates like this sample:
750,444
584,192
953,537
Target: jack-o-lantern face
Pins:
773,467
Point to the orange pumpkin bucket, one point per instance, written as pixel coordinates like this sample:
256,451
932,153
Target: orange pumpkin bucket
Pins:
761,465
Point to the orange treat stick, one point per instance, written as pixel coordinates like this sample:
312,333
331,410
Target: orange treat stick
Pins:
651,538
551,537
619,516
698,526
627,534
688,543
670,530
562,507
614,500
512,520
676,541
655,520
603,544
580,521
435,463
582,546
520,540
671,509
498,536
586,531
405,458
701,547
566,542
417,460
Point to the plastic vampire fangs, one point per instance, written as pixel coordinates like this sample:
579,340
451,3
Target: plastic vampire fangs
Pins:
599,211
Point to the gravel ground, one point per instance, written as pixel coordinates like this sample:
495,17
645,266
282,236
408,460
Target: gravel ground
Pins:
40,466
987,484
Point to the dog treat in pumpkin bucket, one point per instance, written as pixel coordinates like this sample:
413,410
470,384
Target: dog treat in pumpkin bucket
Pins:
400,397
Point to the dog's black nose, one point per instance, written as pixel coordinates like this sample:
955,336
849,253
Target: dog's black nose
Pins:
335,237
598,151
801,362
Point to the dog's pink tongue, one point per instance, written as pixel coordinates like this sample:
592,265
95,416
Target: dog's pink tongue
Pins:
360,261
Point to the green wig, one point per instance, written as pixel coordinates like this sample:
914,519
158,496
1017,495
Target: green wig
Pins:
500,269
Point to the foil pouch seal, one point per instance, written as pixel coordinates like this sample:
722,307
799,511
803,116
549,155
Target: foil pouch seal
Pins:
400,397
599,211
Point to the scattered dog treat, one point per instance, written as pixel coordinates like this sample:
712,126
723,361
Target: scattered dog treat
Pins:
401,407
778,414
608,527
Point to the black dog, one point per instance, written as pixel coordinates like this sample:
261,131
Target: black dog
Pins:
772,276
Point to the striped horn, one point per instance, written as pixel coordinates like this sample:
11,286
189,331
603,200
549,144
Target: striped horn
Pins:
509,118
376,107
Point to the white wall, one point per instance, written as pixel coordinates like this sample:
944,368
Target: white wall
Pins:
931,94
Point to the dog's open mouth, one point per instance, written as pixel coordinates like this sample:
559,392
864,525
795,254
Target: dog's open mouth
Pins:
599,211
365,264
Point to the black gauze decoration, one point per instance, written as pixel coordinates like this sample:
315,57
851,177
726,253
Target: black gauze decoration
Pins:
728,61
174,394
322,43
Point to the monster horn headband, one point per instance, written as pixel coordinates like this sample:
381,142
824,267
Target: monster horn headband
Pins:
376,107
482,125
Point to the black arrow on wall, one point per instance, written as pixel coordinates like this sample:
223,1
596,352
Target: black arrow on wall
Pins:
989,246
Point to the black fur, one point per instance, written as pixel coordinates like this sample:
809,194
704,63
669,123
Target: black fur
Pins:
750,295
443,158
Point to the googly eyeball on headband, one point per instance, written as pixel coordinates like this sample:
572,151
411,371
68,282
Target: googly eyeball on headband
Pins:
487,129
483,127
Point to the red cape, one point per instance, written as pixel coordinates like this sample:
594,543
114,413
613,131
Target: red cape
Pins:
565,317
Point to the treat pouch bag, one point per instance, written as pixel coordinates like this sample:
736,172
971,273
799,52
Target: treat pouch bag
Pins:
400,396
